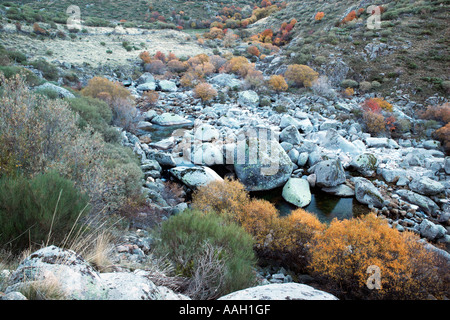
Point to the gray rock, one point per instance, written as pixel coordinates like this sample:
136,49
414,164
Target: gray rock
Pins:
297,192
341,190
170,119
146,77
329,173
75,278
248,98
14,295
377,142
148,86
430,230
129,286
302,159
431,144
330,124
365,163
367,193
424,203
143,125
206,132
226,80
280,291
194,177
426,186
290,134
262,164
62,93
334,141
167,86
150,165
447,165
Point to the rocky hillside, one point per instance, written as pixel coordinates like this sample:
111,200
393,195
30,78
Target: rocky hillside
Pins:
168,141
406,55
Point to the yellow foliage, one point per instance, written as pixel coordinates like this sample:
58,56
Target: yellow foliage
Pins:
383,104
99,86
205,91
343,253
227,196
301,75
277,83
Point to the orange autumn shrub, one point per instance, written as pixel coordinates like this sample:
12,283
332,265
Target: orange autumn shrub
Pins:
221,196
205,91
257,218
277,83
348,92
151,97
190,79
350,16
290,239
299,75
285,239
254,51
99,85
145,57
346,254
438,113
443,134
374,122
238,65
117,96
319,16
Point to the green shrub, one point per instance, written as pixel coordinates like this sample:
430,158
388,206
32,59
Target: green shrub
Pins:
32,210
191,237
49,71
30,78
97,114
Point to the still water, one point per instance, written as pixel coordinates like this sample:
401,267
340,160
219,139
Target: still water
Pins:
325,206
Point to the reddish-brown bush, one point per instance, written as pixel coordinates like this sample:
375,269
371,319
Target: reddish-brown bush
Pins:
254,51
205,91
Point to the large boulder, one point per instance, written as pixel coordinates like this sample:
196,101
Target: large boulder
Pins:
280,291
148,86
297,192
170,119
72,278
226,80
430,230
424,203
365,163
329,173
146,77
367,193
136,286
426,186
62,92
194,177
206,132
290,134
260,162
248,98
334,141
168,86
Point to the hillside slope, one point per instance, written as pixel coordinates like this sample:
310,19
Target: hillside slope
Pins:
409,54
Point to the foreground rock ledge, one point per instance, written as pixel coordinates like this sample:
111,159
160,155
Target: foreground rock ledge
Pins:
280,291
